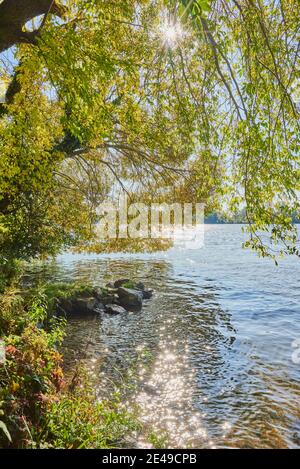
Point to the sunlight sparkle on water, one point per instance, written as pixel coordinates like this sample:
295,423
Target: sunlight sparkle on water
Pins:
167,396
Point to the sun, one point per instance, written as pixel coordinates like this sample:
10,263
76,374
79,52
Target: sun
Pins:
171,33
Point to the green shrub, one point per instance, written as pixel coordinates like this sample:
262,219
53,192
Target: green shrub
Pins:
67,290
9,271
77,420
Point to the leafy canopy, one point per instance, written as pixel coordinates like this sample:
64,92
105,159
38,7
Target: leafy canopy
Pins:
108,101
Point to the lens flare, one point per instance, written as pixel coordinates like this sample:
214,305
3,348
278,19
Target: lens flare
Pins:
171,33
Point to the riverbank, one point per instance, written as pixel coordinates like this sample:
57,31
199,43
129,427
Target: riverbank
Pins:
39,407
214,377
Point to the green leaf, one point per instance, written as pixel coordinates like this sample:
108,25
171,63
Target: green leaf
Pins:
3,427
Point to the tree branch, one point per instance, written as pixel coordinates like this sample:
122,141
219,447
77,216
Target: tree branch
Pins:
15,14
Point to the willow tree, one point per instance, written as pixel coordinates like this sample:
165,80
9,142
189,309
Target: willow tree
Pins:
191,99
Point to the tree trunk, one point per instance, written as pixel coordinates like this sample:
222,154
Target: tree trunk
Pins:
14,14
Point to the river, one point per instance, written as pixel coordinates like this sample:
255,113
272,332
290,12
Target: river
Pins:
222,367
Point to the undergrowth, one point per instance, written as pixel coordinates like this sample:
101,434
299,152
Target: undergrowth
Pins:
38,408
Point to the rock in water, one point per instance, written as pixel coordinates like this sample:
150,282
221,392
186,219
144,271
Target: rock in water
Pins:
130,298
120,282
114,309
79,306
92,301
147,294
140,286
105,296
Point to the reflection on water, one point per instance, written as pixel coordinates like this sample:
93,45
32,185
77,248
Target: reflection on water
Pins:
166,399
219,329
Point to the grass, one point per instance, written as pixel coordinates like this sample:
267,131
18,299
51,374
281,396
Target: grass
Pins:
77,421
158,441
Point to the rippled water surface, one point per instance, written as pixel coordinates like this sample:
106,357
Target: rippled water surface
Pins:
221,370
